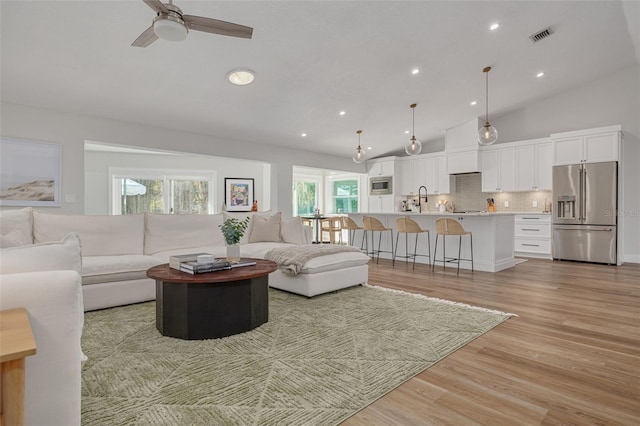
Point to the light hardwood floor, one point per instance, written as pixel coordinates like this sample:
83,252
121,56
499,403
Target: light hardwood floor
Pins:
571,357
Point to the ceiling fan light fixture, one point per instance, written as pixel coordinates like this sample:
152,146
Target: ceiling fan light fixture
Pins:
241,77
170,28
360,154
414,146
487,134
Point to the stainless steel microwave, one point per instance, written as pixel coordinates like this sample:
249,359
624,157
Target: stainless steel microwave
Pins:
381,185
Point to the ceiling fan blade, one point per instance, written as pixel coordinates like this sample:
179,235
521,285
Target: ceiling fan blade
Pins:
216,26
157,6
146,38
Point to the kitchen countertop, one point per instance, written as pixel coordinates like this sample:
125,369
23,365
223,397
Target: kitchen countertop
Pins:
454,214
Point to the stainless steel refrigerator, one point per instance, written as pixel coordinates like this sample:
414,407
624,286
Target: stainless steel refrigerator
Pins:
585,212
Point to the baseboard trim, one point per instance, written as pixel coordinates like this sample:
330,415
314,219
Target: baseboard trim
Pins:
634,258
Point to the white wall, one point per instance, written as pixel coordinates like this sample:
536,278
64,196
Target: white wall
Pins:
612,99
71,131
97,164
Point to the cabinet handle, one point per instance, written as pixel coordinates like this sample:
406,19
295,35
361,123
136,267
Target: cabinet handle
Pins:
531,218
531,245
530,229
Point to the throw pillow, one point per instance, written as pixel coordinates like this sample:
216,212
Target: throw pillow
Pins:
242,216
265,229
13,238
20,219
54,256
292,231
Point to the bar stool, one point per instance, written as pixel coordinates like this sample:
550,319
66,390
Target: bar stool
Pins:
444,227
407,226
351,226
374,225
332,226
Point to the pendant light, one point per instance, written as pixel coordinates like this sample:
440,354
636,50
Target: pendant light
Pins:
487,134
360,154
414,146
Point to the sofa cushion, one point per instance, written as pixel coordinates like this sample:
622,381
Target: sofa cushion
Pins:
170,231
103,269
265,229
14,238
292,231
241,216
333,262
100,235
20,220
52,256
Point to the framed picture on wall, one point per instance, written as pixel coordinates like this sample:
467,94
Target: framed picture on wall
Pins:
29,173
238,194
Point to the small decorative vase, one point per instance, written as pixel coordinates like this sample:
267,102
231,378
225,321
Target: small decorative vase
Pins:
233,253
442,208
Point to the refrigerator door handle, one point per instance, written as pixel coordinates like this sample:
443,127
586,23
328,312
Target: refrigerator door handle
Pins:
580,229
583,213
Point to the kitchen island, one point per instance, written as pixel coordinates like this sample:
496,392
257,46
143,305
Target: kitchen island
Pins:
493,238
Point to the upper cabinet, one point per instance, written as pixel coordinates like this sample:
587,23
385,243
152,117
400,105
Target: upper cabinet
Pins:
517,166
462,149
426,170
534,162
587,146
498,169
381,166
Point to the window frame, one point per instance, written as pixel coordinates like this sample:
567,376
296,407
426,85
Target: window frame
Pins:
115,199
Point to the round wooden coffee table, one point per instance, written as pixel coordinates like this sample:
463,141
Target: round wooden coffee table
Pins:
212,305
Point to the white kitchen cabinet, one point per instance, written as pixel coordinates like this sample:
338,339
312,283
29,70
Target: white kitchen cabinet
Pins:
532,235
498,169
534,162
427,170
381,167
381,204
587,146
439,181
462,149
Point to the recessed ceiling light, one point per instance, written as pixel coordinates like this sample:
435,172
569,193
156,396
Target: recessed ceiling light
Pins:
304,135
406,132
473,103
540,74
368,147
494,26
342,113
415,71
241,77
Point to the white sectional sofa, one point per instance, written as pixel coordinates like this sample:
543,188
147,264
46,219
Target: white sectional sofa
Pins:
45,280
118,250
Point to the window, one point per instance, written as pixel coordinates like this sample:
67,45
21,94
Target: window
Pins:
138,191
345,196
305,197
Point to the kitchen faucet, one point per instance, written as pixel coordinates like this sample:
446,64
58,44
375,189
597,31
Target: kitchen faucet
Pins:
425,197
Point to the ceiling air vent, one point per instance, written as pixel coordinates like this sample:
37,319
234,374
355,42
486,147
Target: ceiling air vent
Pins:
541,35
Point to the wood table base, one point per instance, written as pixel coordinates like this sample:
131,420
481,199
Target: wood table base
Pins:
12,385
209,311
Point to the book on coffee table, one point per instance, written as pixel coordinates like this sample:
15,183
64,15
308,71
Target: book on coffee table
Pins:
175,261
203,268
242,262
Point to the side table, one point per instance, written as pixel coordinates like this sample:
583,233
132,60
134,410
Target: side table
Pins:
17,343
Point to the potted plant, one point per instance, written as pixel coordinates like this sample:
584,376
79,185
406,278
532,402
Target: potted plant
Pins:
233,229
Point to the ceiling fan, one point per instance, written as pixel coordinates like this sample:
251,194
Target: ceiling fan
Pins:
171,24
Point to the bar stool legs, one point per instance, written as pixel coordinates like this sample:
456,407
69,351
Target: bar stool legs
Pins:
415,247
444,227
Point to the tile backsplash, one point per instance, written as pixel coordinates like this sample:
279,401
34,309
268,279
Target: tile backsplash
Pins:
468,195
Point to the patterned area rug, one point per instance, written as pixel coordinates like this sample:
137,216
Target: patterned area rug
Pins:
316,362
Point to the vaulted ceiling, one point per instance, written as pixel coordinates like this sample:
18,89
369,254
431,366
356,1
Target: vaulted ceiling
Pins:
312,59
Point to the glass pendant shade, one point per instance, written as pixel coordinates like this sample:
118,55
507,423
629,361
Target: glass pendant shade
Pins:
360,154
487,134
414,147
